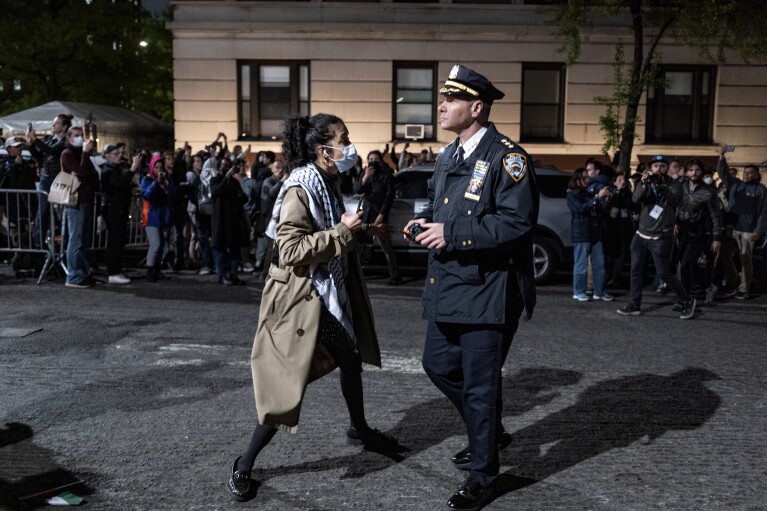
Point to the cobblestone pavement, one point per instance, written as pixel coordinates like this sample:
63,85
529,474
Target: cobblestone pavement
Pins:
143,393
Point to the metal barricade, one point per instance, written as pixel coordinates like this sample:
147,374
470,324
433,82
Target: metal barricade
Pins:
100,234
18,214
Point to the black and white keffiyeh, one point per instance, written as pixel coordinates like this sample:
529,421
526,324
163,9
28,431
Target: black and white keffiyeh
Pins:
327,277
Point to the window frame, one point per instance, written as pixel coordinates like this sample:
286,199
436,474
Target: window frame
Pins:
255,93
544,66
413,64
654,121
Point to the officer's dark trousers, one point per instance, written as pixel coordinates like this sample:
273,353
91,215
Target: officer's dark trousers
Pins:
464,361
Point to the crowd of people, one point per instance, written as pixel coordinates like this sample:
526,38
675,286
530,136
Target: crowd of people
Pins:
699,225
204,211
201,211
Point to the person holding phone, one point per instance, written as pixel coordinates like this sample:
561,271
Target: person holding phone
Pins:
315,312
47,153
76,159
156,189
745,217
480,272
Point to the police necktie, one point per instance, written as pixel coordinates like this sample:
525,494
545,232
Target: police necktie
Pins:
459,155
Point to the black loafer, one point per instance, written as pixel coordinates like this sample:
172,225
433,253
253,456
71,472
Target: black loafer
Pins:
472,495
462,459
239,482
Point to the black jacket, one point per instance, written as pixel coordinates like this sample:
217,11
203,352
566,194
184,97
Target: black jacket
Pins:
47,152
118,186
666,194
379,194
747,202
489,241
700,212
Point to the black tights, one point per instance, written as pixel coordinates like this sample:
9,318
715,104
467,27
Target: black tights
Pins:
350,366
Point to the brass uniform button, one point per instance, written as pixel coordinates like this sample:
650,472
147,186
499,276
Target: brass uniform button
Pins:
432,280
463,243
468,212
446,200
468,242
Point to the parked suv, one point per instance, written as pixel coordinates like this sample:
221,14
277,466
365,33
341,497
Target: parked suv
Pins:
552,245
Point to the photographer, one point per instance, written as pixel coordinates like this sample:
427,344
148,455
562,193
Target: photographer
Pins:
16,173
76,159
658,195
588,216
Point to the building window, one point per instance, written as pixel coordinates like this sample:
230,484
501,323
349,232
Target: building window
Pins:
681,110
543,99
414,99
269,92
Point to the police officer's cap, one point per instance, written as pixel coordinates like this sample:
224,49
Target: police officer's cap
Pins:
465,82
659,158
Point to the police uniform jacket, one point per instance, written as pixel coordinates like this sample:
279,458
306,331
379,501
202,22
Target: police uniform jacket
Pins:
489,238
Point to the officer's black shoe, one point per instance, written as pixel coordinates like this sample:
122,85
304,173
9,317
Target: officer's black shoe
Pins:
239,482
472,495
462,459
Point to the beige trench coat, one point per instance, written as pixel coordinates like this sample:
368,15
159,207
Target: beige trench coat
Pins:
286,355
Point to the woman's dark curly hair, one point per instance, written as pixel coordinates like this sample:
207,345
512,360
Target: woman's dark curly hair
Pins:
301,134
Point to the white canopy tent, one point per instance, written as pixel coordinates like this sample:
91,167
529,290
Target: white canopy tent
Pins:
112,124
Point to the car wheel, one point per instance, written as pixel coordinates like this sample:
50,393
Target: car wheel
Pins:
544,259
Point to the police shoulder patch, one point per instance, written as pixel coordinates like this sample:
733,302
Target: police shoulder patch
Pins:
516,165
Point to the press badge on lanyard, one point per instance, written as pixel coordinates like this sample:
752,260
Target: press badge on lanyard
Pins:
477,180
656,212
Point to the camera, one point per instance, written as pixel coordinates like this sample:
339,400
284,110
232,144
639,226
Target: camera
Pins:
653,178
413,231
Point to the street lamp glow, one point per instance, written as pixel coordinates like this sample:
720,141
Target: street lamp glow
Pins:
143,44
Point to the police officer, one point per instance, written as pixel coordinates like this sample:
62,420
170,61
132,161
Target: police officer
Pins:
478,225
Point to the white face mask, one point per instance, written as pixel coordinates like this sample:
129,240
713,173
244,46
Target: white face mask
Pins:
675,176
346,163
77,141
708,180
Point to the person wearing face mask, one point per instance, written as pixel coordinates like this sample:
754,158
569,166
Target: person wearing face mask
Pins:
698,229
315,312
675,169
76,159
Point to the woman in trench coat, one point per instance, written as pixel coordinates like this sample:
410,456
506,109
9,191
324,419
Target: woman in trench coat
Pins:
315,313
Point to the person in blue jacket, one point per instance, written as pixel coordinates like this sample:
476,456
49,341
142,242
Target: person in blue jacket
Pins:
589,212
157,189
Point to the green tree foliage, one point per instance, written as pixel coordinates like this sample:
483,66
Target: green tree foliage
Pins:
87,51
716,28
